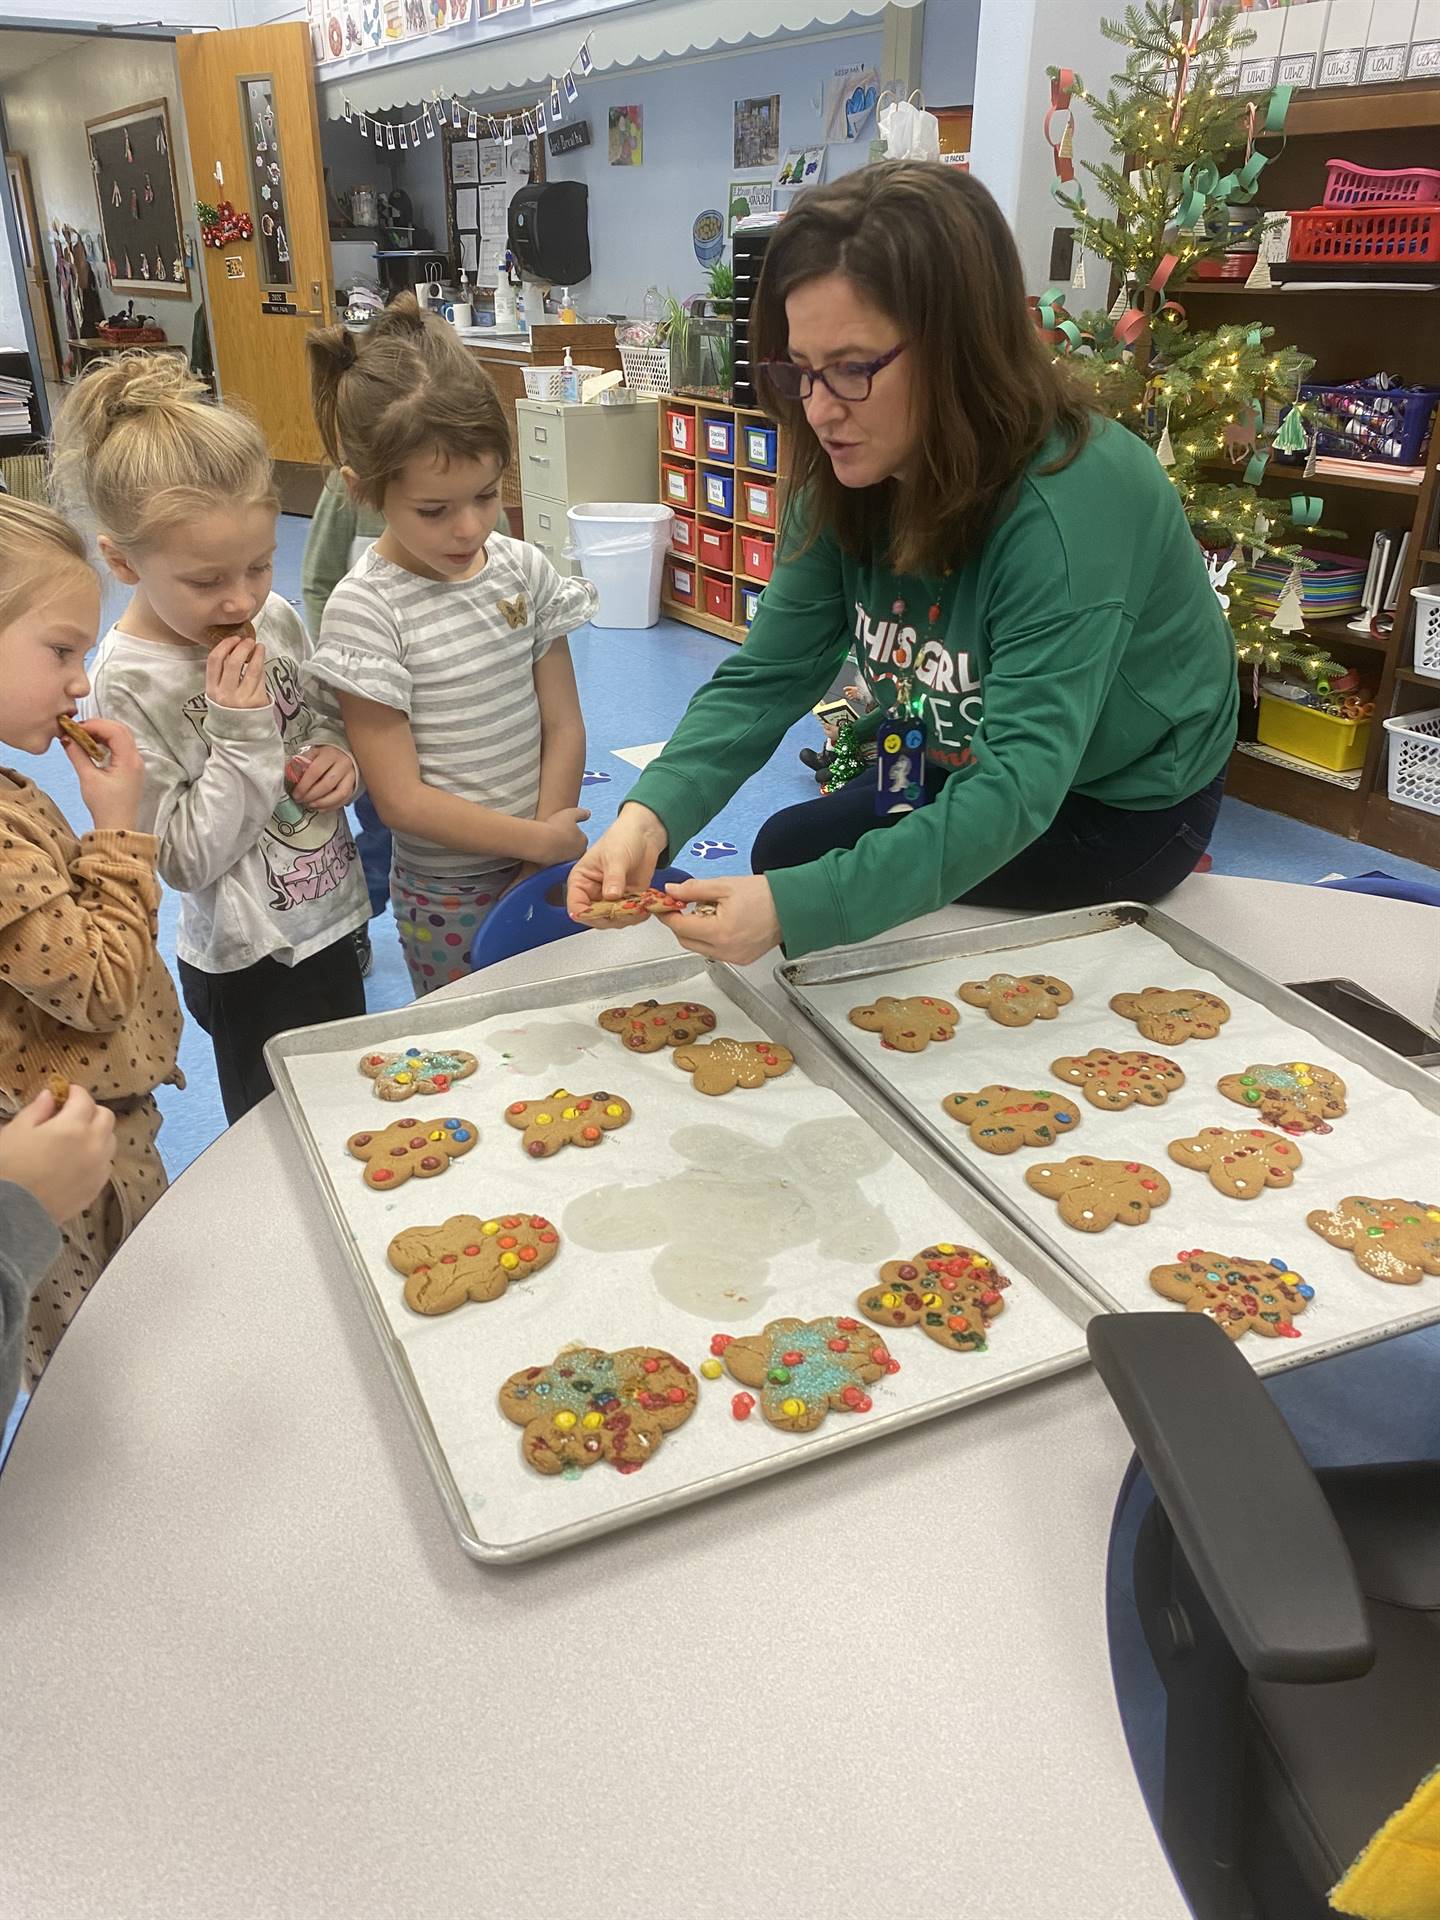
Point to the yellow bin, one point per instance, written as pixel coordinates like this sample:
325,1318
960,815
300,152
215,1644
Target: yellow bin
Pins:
1323,739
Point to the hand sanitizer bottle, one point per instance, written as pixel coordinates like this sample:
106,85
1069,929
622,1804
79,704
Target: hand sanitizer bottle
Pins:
569,379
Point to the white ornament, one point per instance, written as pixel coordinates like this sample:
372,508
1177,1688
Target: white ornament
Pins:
1289,614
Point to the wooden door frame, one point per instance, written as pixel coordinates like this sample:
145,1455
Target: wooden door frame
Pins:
27,222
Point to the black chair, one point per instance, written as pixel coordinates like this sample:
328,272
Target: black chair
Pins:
1293,1617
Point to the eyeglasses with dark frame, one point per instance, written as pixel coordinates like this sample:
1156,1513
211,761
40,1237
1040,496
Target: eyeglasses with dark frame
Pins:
849,380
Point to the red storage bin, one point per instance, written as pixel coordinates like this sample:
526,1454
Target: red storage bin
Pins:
719,596
717,547
680,582
1398,236
758,501
679,430
677,485
757,555
682,535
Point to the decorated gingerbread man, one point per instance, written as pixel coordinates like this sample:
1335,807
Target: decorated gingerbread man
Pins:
952,1293
1241,1161
1094,1194
566,1120
651,1024
1004,1119
803,1368
1017,1000
1240,1296
1295,1097
907,1026
416,1070
1396,1240
1115,1081
465,1258
410,1147
588,1405
720,1065
1168,1018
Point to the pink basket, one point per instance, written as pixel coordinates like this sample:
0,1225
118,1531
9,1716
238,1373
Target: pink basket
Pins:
1352,186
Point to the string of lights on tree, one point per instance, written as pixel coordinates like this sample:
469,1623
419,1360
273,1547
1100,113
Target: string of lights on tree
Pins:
1205,401
528,123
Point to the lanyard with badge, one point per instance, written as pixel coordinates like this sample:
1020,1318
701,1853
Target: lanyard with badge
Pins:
900,751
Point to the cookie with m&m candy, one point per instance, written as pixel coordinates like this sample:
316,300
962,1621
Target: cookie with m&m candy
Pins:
951,1293
410,1148
1395,1240
466,1258
566,1120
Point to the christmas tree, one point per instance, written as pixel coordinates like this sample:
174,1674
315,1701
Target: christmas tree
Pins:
1203,401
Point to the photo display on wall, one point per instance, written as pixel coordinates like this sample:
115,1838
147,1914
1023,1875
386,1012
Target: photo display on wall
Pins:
135,190
480,178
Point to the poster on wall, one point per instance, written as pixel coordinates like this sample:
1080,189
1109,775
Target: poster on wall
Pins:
392,22
801,167
626,136
135,190
747,197
848,104
465,163
757,132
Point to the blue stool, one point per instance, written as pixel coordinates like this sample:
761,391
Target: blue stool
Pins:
533,914
1385,887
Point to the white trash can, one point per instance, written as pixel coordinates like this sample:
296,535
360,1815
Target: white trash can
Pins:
621,546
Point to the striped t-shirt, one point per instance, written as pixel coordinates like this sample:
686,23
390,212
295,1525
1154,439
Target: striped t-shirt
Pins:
457,657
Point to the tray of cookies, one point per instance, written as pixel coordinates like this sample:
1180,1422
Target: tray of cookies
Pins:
629,1240
1166,1122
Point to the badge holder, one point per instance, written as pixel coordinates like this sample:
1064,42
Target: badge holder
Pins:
900,754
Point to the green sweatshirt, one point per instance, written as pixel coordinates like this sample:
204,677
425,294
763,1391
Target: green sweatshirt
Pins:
335,526
1080,648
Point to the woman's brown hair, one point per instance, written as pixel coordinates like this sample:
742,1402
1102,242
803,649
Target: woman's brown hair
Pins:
405,387
928,246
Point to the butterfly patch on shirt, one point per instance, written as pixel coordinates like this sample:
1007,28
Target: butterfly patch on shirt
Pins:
516,611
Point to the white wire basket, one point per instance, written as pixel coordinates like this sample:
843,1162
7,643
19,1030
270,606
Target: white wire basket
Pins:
1414,769
1427,631
646,369
543,383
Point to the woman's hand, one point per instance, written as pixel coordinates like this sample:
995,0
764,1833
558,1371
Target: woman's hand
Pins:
744,928
626,855
112,792
322,778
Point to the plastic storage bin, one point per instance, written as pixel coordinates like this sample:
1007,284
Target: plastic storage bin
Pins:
757,555
646,369
682,535
677,485
679,430
717,547
1358,420
761,448
680,582
1402,236
620,546
758,500
719,596
1414,770
1350,186
1427,631
717,437
749,604
1324,739
717,493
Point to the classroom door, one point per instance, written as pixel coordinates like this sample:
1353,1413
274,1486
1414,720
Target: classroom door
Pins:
250,110
37,285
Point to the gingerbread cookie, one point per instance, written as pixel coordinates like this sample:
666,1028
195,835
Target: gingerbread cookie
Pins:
1240,1296
469,1259
907,1026
1016,1001
721,1065
1171,1017
650,1025
803,1368
629,910
82,738
1241,1161
1396,1240
58,1087
1117,1080
566,1120
409,1146
416,1070
951,1293
1093,1194
1003,1119
588,1405
1296,1097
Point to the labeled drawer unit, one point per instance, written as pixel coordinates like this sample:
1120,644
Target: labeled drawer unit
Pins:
547,527
677,485
750,603
541,453
761,448
717,547
683,535
717,436
717,492
680,579
757,555
758,502
719,596
680,430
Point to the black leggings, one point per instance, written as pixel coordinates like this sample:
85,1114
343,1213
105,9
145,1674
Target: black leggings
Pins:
1088,854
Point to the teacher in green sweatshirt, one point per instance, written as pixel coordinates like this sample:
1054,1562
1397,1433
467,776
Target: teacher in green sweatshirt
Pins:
1012,571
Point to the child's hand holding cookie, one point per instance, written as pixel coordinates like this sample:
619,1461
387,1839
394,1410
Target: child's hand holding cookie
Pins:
321,778
112,792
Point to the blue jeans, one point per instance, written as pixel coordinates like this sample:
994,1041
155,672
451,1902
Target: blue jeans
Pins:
1088,854
372,843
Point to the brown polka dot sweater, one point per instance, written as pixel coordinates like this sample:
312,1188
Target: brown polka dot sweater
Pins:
83,992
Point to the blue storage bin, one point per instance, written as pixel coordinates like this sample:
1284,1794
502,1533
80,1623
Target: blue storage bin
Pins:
717,493
750,604
761,448
717,438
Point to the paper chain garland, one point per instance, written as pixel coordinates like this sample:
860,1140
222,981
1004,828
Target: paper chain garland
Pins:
533,120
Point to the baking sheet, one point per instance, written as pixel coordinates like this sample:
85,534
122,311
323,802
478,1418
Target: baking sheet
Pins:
1386,1144
703,1215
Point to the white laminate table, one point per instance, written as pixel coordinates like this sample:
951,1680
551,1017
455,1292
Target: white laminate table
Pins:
249,1673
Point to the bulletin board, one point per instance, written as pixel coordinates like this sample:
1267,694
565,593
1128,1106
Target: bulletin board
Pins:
132,158
480,178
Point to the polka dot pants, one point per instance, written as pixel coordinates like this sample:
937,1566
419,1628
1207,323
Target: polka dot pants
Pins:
437,919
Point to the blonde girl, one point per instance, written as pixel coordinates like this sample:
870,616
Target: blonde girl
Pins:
246,778
446,643
87,1012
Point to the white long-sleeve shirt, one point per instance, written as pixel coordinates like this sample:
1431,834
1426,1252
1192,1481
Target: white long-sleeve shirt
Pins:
259,874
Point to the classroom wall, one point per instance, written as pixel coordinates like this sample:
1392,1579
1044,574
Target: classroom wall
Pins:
12,299
947,52
45,113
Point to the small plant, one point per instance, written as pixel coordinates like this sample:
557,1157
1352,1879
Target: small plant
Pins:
722,286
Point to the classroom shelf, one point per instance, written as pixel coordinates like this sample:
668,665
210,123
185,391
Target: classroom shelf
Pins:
741,469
